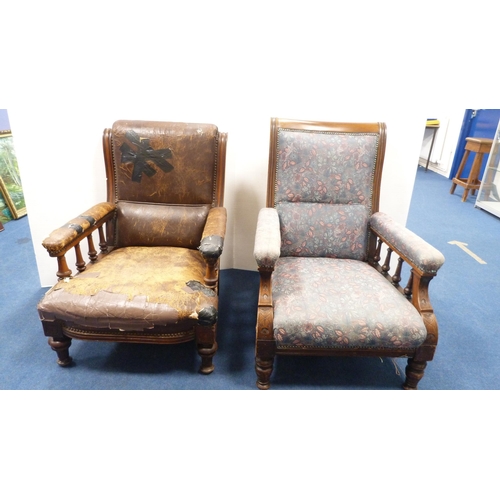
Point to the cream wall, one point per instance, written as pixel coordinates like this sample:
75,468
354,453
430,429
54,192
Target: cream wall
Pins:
217,62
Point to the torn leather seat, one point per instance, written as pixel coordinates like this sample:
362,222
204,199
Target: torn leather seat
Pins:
160,236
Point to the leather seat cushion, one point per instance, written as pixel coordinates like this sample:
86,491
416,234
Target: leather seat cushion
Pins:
135,288
340,303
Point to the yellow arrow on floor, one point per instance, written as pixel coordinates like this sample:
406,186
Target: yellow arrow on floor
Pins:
463,246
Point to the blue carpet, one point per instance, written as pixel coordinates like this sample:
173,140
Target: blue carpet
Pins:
147,443
29,363
463,295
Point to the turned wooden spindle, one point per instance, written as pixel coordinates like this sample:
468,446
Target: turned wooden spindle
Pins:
80,263
102,240
376,257
211,277
409,286
92,251
63,271
387,264
396,278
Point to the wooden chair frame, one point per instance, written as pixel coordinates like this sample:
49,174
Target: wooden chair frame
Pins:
95,221
416,289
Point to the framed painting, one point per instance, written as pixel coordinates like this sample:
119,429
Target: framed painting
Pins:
12,204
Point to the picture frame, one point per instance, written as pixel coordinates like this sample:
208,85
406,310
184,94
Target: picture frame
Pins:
12,203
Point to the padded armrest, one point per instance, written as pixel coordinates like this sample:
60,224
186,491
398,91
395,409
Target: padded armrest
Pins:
267,247
212,240
414,249
61,238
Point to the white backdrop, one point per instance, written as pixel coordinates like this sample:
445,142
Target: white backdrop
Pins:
75,71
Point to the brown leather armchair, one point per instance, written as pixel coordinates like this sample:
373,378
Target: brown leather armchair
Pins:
323,287
160,236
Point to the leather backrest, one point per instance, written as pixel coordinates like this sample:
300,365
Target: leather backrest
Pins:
163,178
159,224
324,183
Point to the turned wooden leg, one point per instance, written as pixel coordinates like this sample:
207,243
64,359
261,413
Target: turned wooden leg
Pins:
207,352
61,347
206,346
59,342
414,373
264,369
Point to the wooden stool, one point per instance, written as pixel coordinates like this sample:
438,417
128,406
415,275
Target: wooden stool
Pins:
479,146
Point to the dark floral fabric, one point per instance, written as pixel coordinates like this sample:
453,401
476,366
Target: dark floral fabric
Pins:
422,254
340,303
325,167
323,230
323,192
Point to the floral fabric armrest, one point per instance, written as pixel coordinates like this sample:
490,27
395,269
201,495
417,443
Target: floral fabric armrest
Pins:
411,247
62,238
267,246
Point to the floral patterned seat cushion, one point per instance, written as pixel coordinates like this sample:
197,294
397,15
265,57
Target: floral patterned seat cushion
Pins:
340,303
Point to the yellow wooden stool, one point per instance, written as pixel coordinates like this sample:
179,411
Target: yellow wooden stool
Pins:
479,146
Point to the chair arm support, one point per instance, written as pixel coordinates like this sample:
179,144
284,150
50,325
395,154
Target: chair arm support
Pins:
267,249
212,240
66,236
413,249
267,246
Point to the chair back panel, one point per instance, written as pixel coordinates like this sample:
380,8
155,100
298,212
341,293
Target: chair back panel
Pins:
325,182
325,167
157,162
163,178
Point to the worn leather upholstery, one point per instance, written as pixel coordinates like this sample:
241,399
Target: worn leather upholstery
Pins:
156,278
158,224
112,294
60,238
165,203
185,174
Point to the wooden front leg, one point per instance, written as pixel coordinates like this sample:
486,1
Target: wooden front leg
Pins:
414,373
206,345
264,368
58,341
265,345
61,347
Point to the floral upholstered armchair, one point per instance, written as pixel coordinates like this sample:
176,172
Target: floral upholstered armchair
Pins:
323,287
160,235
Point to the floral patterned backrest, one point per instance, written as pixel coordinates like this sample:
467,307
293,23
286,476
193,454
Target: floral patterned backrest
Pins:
323,189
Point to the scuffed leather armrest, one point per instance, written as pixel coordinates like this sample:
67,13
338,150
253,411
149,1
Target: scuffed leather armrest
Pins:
212,240
267,246
65,236
416,251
